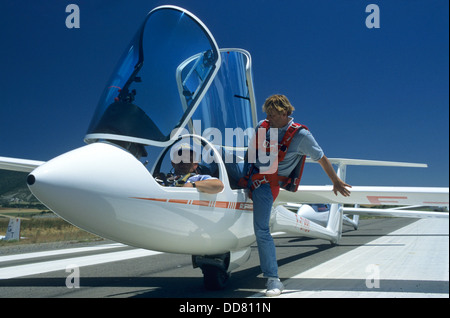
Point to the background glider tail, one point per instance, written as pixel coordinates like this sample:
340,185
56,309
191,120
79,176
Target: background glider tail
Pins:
284,220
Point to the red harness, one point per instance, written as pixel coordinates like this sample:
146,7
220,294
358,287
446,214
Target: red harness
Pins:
254,179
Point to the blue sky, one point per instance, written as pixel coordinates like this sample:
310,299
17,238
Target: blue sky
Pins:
364,93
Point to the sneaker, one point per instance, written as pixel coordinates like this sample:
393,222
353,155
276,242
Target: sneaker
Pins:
274,287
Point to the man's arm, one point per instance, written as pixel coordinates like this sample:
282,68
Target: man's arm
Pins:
338,184
208,186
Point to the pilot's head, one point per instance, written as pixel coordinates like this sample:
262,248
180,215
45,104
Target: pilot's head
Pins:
184,159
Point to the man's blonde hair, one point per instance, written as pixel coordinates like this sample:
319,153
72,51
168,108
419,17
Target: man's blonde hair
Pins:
279,103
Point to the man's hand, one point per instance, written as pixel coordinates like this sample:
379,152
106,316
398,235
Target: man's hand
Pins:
338,185
208,186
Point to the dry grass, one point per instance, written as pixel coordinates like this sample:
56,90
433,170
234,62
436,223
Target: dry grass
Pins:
44,230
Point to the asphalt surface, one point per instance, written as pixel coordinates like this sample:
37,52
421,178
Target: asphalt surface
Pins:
172,276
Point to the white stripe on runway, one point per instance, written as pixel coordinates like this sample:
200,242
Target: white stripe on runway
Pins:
410,262
18,257
50,266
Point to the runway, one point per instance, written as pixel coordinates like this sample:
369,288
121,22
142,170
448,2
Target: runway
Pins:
385,257
410,262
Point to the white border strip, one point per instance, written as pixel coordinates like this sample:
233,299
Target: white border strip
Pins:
50,266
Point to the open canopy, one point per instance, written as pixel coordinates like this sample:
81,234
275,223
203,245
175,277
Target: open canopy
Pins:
226,115
159,81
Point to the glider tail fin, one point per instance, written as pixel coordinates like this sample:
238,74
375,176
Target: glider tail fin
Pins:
284,220
13,231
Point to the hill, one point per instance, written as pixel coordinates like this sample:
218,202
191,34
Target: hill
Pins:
13,187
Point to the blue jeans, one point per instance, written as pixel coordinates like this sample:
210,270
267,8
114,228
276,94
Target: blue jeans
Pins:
262,207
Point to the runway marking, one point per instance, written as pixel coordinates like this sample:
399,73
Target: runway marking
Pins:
50,266
17,257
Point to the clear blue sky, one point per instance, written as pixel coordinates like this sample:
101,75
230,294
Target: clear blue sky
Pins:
364,93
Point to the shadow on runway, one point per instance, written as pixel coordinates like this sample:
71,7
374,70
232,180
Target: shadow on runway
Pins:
169,287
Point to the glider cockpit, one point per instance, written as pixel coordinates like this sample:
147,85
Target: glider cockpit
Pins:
172,82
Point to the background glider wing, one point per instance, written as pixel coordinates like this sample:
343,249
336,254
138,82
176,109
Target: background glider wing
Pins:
22,165
396,213
368,196
373,195
373,163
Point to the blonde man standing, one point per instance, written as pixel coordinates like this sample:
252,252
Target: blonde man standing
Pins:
265,186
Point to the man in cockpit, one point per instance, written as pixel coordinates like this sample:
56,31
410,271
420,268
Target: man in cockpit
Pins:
186,174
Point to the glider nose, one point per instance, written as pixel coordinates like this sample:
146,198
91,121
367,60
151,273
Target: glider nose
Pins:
84,182
31,179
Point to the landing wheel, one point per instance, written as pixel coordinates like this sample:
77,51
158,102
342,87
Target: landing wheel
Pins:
214,278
